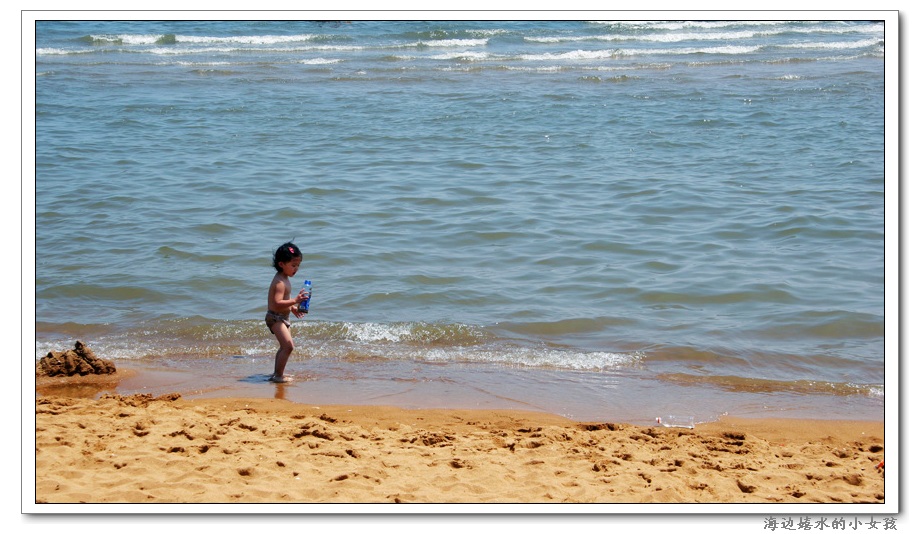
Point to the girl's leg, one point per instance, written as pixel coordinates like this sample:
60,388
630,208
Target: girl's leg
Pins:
286,347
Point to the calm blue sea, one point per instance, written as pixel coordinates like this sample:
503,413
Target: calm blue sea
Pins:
605,220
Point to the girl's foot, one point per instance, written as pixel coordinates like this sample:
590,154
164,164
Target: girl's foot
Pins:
280,379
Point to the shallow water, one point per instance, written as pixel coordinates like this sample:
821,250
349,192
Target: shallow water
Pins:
580,217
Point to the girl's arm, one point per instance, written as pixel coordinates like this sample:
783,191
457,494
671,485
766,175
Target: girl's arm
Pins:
278,302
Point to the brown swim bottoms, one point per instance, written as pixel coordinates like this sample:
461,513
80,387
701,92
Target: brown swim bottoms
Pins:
272,318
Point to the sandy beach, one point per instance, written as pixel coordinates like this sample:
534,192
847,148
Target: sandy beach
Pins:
143,448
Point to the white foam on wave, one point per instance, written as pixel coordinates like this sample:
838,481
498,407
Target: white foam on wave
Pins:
685,24
167,50
151,39
247,39
455,42
659,37
578,55
106,348
572,55
837,45
726,50
203,63
561,359
467,56
375,332
59,52
129,39
503,355
320,61
454,343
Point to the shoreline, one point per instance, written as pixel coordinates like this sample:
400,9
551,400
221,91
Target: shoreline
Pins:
164,448
433,386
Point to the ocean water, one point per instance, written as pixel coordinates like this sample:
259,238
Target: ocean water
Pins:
605,220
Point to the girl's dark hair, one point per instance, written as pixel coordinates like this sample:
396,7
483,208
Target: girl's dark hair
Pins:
285,253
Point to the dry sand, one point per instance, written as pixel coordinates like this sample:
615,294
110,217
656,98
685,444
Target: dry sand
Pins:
167,449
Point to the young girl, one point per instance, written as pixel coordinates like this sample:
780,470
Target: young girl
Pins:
280,305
